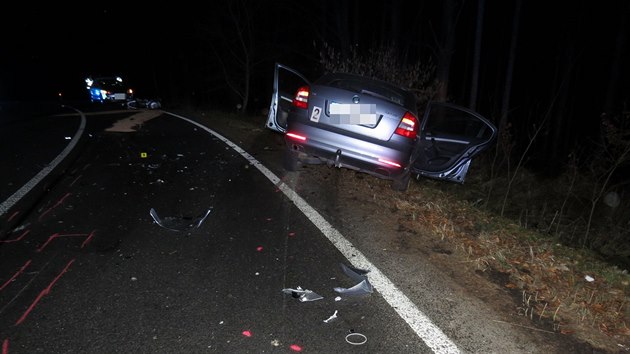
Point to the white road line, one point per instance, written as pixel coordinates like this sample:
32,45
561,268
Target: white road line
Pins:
20,193
432,335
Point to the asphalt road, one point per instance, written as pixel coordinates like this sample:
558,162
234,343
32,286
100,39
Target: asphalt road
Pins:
84,267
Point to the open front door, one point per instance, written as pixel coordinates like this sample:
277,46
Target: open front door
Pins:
286,81
451,136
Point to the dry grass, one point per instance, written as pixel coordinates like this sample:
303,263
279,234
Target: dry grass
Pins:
561,289
557,288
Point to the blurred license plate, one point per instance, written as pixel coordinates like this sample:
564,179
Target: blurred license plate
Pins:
363,114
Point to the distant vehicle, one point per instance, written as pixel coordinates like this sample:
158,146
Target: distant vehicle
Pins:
108,89
372,126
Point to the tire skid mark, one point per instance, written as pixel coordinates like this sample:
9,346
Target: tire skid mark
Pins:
15,213
87,239
28,284
44,292
16,239
6,206
20,271
59,202
56,235
75,180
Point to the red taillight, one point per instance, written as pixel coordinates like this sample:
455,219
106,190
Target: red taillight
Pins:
408,126
296,136
301,97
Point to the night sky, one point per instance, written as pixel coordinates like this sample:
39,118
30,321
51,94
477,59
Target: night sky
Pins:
52,50
565,63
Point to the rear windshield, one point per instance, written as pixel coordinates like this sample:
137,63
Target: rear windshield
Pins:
369,86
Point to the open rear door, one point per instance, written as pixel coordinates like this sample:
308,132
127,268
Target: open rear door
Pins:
451,136
286,81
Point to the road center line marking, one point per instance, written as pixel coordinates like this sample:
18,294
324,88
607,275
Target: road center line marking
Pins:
432,335
20,193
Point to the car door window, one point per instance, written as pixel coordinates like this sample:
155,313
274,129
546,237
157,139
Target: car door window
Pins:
451,136
450,123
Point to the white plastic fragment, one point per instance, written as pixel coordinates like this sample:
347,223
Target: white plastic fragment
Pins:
331,318
589,278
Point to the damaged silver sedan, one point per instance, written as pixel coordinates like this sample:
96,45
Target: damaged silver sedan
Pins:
359,123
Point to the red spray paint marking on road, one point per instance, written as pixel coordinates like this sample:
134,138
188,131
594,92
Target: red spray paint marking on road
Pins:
295,348
46,291
54,206
5,346
15,275
13,215
16,239
57,235
87,240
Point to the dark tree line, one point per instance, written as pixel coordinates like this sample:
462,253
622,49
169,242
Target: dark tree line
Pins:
530,66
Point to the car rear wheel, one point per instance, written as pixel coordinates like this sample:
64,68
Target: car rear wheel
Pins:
290,160
401,183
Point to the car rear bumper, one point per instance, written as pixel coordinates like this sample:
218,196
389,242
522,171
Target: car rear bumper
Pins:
352,153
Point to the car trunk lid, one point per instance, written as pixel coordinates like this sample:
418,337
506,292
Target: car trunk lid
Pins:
362,112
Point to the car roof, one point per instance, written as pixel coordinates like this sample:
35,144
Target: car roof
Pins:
357,77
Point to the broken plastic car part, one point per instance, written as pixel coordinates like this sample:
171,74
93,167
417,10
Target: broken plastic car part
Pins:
302,294
362,287
178,224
